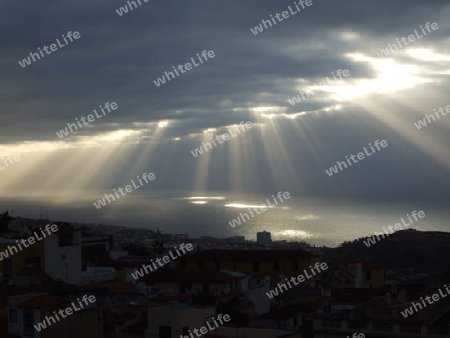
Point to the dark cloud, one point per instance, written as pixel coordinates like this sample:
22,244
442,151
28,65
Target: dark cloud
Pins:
118,58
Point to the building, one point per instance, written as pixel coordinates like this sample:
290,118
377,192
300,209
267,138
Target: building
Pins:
63,255
356,275
176,319
278,264
13,263
263,237
378,313
225,285
27,310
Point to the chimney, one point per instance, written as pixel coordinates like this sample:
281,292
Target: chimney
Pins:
387,298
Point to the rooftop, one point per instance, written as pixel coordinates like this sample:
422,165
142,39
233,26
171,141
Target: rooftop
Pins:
113,286
42,301
244,255
190,275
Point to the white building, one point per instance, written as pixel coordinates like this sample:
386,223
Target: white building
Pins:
63,256
174,320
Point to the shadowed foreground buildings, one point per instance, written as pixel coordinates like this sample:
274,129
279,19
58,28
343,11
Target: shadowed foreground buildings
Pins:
351,296
377,312
278,264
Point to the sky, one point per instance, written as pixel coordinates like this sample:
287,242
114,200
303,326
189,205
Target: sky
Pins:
251,78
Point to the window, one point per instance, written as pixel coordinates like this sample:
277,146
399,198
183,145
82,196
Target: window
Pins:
13,316
33,262
6,267
295,266
185,331
205,287
255,266
183,264
28,320
184,287
165,331
276,266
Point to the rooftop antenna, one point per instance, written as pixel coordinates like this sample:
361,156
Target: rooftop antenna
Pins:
40,213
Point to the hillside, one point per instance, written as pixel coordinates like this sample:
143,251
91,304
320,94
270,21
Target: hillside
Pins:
421,250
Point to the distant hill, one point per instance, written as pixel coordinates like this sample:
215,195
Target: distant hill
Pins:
427,251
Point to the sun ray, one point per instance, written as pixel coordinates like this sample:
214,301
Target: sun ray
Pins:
202,174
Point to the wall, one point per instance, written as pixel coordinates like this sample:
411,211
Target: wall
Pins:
69,269
176,318
18,260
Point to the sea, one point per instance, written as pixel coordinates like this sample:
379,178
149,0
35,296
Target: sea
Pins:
317,221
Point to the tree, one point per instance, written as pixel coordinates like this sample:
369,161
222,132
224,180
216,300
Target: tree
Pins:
158,247
4,221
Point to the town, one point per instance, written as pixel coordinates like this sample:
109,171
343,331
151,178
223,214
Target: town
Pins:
232,275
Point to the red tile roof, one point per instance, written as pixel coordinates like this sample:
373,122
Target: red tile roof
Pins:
185,275
245,255
366,265
113,286
42,301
